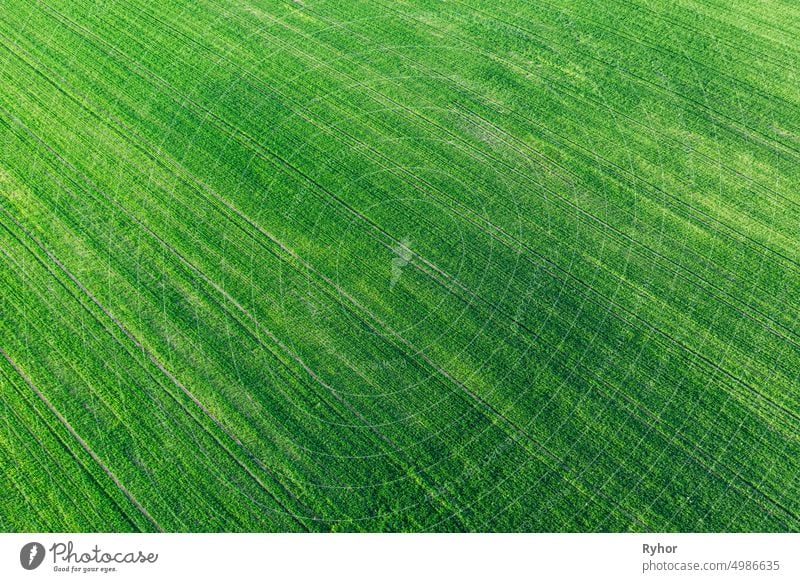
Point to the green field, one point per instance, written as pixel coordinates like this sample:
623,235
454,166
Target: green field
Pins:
416,265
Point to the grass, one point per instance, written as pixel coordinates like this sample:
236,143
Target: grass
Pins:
407,266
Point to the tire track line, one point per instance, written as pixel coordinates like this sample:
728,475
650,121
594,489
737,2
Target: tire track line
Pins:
64,482
139,346
117,341
78,438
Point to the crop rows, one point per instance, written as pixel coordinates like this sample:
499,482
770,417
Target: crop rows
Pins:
416,266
